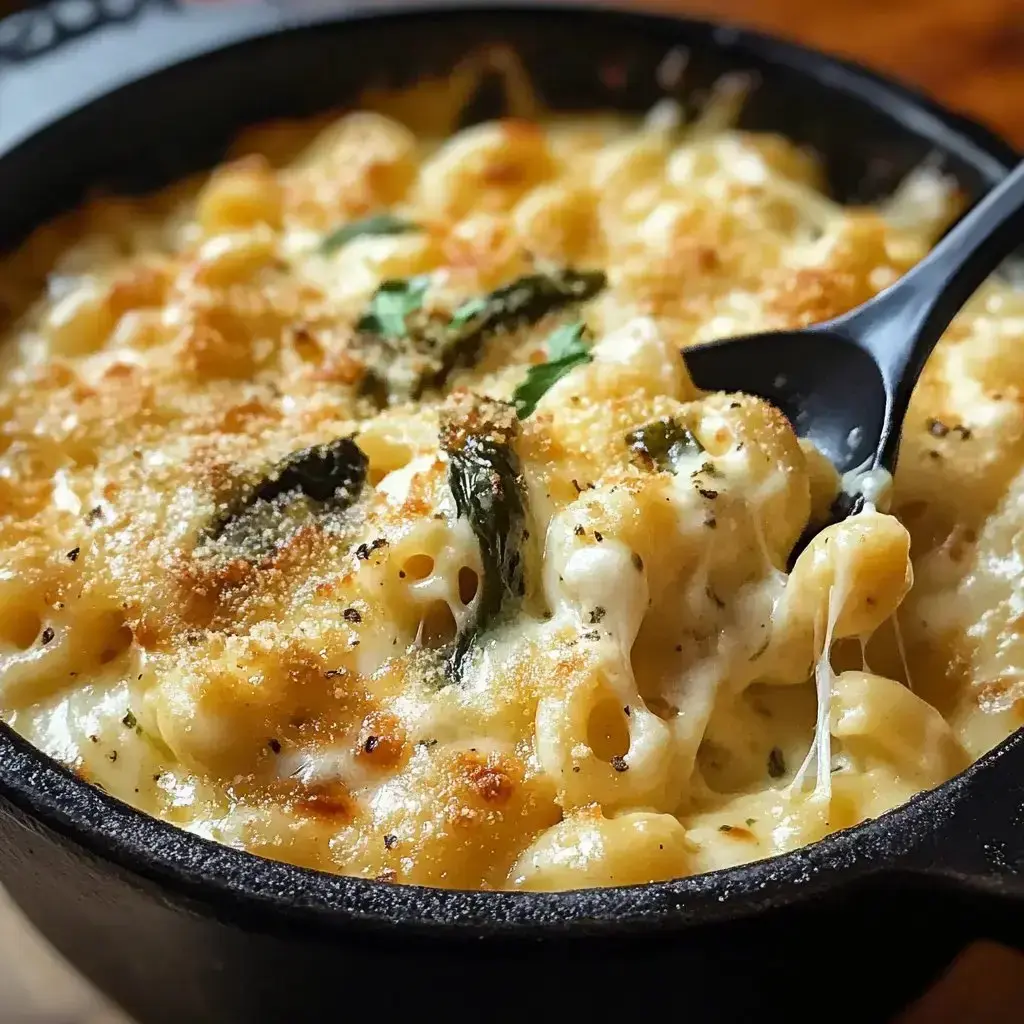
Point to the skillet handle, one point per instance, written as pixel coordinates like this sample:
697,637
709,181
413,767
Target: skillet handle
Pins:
970,849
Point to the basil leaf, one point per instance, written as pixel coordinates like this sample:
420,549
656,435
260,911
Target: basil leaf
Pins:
486,480
333,472
376,224
567,341
307,484
470,309
432,347
526,300
392,302
567,350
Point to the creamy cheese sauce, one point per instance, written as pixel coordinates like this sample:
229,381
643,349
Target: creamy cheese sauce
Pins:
357,508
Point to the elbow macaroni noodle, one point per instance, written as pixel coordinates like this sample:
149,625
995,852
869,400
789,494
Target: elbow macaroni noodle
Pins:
665,697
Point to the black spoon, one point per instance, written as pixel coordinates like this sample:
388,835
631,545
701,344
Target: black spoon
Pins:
845,384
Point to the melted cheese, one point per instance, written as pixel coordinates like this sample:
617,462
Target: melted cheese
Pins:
658,697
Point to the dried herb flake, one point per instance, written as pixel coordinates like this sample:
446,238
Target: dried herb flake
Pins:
663,444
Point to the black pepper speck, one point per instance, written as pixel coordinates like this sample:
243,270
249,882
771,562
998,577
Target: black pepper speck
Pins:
364,551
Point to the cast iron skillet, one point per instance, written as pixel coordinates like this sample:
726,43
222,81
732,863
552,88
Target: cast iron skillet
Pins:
179,930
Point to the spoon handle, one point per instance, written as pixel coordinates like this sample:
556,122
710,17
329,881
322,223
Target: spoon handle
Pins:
901,326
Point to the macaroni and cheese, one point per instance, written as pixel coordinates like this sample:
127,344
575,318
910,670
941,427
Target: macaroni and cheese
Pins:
357,508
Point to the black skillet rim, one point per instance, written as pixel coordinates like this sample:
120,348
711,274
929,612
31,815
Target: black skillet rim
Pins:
244,887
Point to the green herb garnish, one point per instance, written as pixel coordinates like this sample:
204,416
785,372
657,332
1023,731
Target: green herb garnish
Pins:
469,310
325,472
326,478
377,224
566,350
525,301
486,481
431,348
392,302
663,444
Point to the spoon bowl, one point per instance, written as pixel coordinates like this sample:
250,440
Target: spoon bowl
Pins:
845,384
828,387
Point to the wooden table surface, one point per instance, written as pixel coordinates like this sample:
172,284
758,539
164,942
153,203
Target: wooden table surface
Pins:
969,54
